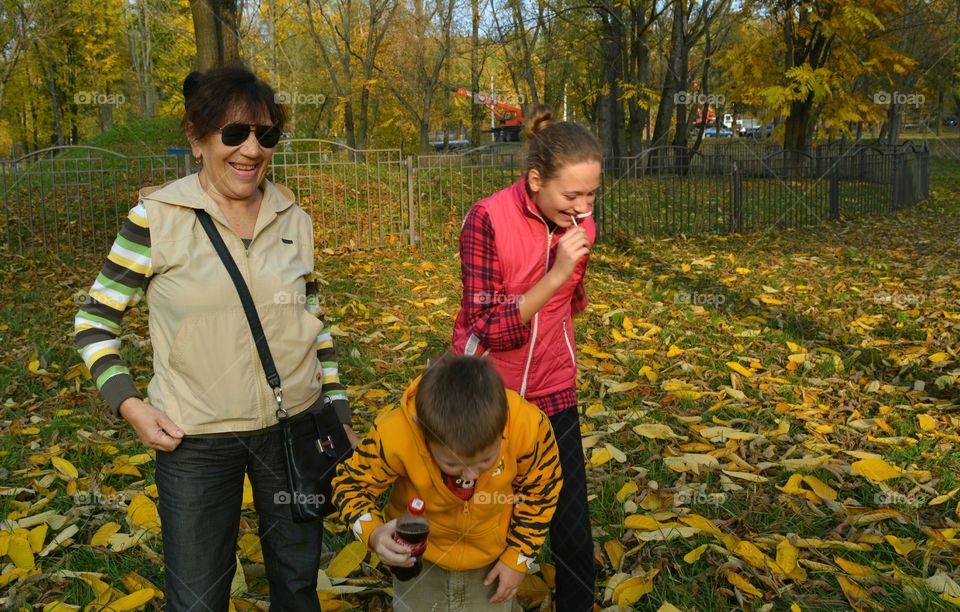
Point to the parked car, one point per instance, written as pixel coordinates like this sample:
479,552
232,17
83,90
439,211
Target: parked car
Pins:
714,132
759,131
950,120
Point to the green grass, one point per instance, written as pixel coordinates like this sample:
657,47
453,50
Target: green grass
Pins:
142,137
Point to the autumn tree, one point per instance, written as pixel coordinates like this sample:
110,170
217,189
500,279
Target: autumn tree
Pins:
814,51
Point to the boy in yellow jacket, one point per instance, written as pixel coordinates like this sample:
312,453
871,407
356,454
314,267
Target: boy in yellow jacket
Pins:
484,461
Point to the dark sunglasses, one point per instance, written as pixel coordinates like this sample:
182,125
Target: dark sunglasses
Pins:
235,134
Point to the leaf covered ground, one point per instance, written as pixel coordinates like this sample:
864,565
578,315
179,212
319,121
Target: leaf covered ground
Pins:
770,422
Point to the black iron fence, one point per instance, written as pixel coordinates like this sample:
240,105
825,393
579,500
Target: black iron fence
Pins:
70,201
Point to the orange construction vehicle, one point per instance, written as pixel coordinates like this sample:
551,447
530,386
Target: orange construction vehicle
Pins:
711,116
509,117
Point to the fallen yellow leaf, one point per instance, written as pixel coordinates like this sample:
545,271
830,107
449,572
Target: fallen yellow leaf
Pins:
739,369
615,552
854,569
142,512
926,422
819,487
626,491
347,560
903,546
66,468
599,456
694,555
642,522
856,595
691,462
631,590
743,584
132,601
20,552
787,555
37,536
656,431
876,469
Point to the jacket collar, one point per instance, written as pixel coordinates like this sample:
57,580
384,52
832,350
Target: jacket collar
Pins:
188,193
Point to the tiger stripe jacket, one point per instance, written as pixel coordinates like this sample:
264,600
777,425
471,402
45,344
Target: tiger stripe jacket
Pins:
509,514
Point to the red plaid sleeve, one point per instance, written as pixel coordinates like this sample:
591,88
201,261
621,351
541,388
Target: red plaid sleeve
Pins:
493,316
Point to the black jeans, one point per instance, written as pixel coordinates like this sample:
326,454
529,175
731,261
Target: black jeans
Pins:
571,540
201,490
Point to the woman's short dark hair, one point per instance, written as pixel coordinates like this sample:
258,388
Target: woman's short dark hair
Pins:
462,404
211,97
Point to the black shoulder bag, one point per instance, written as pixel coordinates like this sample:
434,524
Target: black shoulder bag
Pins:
314,442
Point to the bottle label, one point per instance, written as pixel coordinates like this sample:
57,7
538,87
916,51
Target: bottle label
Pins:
416,550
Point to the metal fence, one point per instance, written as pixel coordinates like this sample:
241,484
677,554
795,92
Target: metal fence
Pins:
70,201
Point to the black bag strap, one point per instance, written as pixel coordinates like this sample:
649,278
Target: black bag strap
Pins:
259,337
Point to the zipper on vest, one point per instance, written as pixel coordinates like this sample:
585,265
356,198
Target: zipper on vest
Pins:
256,357
536,317
569,347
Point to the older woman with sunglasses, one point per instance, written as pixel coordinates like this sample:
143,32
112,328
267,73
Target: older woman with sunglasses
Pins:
210,415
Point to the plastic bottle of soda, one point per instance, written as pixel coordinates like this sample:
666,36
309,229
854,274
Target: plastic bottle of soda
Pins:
412,530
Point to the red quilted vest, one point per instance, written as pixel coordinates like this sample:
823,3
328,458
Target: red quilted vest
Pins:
525,246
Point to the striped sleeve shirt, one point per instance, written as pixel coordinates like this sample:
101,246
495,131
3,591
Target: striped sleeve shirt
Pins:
122,283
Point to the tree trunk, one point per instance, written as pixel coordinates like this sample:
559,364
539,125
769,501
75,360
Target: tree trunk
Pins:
216,32
55,103
639,115
526,47
671,83
476,111
610,114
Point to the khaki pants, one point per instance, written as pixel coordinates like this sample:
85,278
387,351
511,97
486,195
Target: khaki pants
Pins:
440,590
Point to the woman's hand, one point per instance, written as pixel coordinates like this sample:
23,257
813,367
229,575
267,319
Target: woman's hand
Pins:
571,247
389,550
351,435
152,426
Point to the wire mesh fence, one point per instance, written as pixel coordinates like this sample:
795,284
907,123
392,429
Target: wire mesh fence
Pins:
70,201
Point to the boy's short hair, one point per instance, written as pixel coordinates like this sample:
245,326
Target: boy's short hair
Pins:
462,404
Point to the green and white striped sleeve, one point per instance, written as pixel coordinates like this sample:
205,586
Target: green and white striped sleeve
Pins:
120,284
333,389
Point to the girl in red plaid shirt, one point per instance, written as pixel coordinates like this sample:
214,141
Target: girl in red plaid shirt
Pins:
523,254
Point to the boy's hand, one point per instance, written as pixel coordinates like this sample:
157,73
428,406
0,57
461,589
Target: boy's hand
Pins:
510,580
389,550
